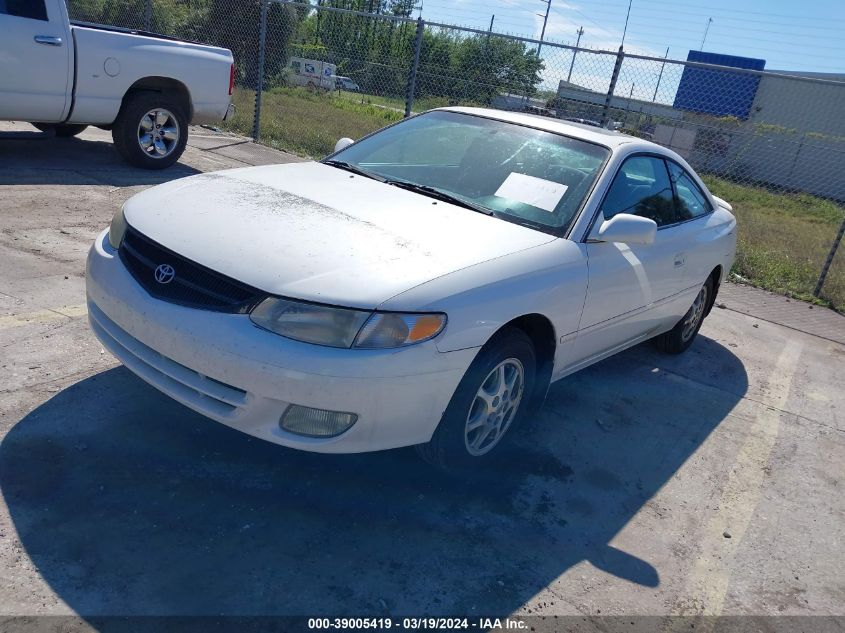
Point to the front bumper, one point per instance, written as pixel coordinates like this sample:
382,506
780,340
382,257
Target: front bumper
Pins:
223,366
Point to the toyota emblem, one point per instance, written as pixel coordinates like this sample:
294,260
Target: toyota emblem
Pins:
165,273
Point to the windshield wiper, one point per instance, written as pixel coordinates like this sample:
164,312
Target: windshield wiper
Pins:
340,164
439,194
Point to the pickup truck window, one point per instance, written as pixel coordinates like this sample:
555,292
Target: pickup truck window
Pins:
31,9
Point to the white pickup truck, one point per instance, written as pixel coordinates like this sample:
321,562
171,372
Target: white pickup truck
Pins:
145,88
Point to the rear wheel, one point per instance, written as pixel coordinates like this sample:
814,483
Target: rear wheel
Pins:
62,130
151,130
491,399
680,337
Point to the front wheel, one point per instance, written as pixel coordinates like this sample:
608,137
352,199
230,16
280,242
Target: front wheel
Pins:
680,337
491,399
151,130
62,130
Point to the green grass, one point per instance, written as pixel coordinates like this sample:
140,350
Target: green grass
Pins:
783,238
420,105
308,123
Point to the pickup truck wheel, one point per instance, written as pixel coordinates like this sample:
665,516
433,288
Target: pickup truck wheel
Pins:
151,130
492,398
62,130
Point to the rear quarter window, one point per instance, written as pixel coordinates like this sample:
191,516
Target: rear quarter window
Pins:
691,202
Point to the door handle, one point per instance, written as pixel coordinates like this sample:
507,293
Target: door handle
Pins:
48,40
680,260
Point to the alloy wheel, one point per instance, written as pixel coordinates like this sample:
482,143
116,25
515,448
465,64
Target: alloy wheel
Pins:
158,133
494,407
695,315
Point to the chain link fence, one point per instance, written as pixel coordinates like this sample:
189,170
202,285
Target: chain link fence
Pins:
772,144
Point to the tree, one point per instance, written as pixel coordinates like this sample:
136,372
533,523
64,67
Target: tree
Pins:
235,24
487,66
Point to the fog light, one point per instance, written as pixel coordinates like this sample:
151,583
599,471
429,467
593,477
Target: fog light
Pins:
315,422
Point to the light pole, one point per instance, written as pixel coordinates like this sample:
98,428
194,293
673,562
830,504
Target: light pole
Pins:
575,52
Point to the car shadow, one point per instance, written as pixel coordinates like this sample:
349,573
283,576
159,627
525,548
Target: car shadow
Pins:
74,161
127,503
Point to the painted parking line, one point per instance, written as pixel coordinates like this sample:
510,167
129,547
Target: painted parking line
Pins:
43,316
711,574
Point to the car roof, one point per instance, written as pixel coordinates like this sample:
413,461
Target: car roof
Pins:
601,136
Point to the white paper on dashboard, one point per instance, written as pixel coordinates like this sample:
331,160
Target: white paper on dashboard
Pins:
543,194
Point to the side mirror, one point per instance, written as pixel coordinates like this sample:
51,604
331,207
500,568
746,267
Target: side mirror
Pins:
628,229
343,144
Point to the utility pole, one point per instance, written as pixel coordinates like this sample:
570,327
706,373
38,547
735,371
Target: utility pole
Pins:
490,30
660,76
577,44
706,30
625,30
545,21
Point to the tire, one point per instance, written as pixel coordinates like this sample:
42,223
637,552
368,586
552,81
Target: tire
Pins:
62,130
164,138
452,447
679,338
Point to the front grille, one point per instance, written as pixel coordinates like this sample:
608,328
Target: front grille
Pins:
192,285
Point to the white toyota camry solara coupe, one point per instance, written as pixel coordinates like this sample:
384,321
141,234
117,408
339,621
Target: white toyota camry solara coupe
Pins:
421,286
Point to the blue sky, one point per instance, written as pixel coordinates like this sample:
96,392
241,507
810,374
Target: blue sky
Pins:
788,35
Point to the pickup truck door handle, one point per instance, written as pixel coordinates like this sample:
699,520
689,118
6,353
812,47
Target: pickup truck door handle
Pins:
680,259
48,40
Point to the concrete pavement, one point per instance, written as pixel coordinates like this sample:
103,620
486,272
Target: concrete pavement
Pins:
707,483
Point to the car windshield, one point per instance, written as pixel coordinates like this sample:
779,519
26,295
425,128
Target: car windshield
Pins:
516,173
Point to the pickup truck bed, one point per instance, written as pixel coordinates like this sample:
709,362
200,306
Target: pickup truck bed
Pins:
90,74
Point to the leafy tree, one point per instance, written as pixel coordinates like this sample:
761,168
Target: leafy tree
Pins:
235,24
376,52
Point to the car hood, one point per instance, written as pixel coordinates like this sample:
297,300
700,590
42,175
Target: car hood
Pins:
315,232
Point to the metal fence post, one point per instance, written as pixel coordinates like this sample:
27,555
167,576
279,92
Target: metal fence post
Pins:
826,268
616,67
259,87
412,77
148,15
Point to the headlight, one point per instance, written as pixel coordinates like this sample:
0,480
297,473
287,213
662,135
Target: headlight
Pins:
335,327
117,229
344,327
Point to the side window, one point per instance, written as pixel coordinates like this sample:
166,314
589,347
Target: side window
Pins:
32,9
692,202
642,187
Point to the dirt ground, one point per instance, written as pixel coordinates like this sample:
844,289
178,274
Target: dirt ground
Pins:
709,483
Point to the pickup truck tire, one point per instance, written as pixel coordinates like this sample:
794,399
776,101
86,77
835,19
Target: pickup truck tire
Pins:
151,130
62,130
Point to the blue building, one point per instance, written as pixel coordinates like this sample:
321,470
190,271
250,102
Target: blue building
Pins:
718,92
